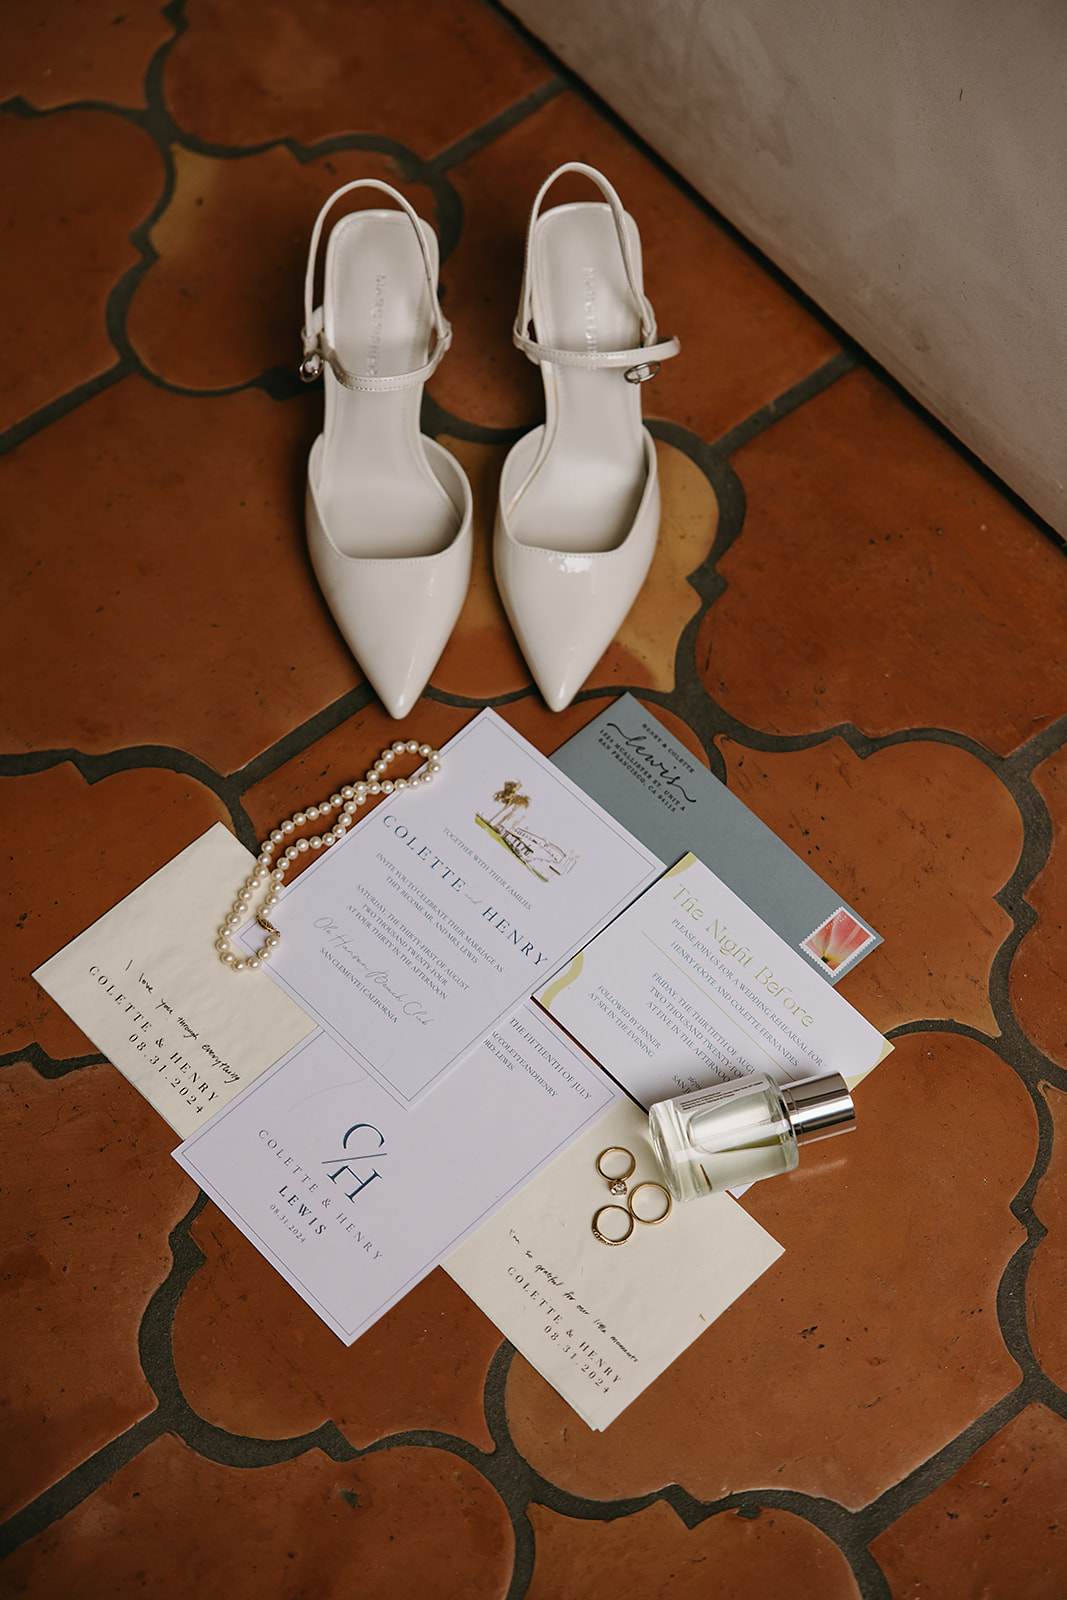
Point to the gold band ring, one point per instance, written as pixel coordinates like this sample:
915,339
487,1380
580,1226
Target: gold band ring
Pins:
616,1181
606,1238
650,1221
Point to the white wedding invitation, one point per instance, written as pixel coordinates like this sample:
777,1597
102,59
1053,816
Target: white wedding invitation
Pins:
601,1322
448,904
689,986
354,1197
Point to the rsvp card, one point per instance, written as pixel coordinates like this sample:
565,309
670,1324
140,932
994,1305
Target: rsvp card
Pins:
145,983
449,904
601,1322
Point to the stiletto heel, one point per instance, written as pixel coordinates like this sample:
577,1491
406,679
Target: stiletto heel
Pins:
388,509
578,513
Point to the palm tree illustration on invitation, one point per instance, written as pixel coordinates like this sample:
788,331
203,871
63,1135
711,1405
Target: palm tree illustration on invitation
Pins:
511,799
539,855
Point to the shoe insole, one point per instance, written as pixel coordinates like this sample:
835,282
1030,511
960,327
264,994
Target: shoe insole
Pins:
377,493
584,493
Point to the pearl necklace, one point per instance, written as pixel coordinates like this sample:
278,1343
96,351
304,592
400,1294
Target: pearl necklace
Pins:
267,874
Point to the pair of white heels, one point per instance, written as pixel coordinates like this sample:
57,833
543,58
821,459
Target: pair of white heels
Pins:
389,510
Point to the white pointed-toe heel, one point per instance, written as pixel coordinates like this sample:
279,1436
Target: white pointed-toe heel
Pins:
578,513
388,509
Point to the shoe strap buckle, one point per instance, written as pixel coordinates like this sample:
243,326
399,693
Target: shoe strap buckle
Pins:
642,372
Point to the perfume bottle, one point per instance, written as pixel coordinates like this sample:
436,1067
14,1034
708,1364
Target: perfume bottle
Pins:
733,1133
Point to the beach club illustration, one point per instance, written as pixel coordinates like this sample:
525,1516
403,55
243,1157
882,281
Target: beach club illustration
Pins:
541,856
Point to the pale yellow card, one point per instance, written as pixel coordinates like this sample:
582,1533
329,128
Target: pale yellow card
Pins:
145,983
601,1322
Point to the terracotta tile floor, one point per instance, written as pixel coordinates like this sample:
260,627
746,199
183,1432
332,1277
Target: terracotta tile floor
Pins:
847,620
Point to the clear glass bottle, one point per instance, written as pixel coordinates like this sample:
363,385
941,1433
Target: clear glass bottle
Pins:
733,1133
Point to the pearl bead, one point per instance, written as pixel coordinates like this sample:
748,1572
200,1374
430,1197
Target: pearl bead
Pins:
269,874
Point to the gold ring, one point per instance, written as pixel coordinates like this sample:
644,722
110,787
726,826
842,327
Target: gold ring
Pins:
616,1182
650,1221
603,1237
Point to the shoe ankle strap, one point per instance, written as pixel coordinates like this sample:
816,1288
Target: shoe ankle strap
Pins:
318,352
642,362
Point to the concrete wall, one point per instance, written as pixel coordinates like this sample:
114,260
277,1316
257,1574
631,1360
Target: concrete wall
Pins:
904,161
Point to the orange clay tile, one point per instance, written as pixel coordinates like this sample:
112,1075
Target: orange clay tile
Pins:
482,658
159,604
1038,980
423,75
1046,1282
88,1196
162,539
76,184
91,51
732,1557
253,1359
74,850
744,339
408,1521
232,247
919,837
825,1378
880,580
995,1528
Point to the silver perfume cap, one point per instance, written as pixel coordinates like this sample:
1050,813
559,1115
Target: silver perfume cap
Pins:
818,1108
